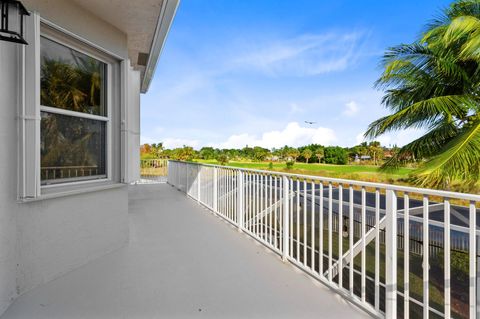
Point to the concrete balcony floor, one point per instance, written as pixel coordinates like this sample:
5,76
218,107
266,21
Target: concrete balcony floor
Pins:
182,262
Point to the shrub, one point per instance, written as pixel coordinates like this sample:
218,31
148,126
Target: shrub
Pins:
222,159
335,155
289,164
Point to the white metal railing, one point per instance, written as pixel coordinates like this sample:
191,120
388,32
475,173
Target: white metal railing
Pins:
60,172
381,232
153,170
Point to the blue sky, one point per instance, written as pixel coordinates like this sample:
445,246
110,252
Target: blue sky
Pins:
250,72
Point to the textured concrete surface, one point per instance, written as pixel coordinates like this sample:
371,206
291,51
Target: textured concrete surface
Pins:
182,262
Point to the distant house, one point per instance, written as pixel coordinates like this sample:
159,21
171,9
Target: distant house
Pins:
273,158
70,132
362,158
388,154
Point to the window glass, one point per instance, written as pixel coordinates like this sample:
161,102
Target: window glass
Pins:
71,148
71,80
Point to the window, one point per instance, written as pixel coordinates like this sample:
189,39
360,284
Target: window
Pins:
74,114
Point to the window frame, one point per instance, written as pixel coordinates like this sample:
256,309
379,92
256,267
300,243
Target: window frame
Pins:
29,187
73,44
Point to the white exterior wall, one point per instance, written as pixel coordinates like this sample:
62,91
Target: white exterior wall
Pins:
8,173
44,239
133,127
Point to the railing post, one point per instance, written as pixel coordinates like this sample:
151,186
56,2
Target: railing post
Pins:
199,180
286,226
175,170
168,173
240,199
177,175
187,179
391,254
215,190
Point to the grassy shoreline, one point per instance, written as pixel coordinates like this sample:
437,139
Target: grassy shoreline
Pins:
368,173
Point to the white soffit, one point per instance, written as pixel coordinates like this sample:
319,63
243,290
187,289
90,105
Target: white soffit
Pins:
146,24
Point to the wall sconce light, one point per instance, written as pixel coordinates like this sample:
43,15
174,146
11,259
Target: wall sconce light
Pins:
12,21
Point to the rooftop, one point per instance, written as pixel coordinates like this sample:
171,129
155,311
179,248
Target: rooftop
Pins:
183,261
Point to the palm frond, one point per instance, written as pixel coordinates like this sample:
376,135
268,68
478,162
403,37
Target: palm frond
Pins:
458,160
421,114
434,83
462,27
428,145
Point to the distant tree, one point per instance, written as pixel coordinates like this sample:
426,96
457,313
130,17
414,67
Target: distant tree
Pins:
375,150
186,153
260,153
222,158
293,153
307,154
363,149
277,152
336,155
145,149
157,150
284,152
247,152
207,153
320,153
168,153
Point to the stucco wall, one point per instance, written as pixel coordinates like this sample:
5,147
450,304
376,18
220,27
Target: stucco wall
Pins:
42,240
8,175
133,128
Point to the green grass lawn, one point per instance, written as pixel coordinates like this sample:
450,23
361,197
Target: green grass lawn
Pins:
356,172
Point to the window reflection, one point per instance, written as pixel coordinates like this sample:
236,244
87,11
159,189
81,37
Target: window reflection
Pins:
71,147
71,80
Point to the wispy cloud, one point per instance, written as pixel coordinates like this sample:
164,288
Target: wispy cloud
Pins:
304,55
295,108
351,108
293,135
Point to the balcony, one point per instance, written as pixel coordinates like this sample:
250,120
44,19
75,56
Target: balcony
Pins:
181,262
228,242
381,232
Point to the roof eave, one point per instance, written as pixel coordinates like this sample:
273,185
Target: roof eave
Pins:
165,20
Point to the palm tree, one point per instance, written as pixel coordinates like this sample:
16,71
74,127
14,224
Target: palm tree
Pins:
307,153
59,86
458,26
91,72
294,153
433,85
375,150
320,153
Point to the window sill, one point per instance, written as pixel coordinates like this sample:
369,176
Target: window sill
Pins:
69,191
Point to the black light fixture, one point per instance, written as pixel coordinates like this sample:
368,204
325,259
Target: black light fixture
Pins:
11,21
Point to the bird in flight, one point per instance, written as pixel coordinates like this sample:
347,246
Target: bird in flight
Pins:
311,123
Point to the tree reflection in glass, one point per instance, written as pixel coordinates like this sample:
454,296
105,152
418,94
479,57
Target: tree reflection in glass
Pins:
72,147
71,80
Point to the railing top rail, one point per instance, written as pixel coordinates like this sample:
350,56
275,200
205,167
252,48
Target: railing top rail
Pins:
399,188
